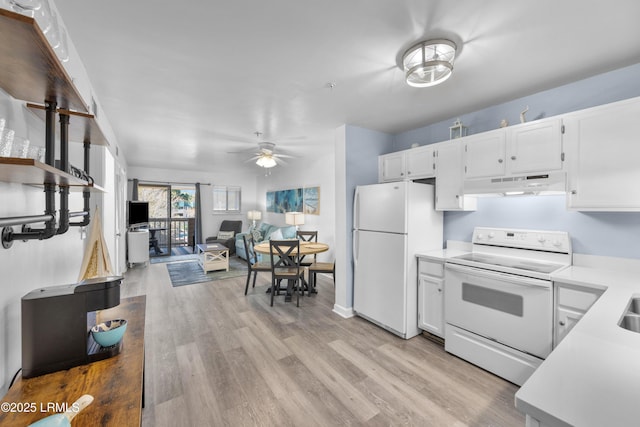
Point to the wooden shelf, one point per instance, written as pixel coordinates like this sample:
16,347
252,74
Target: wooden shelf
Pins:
30,69
82,126
32,172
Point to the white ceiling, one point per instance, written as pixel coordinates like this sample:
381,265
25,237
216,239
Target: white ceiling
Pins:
183,83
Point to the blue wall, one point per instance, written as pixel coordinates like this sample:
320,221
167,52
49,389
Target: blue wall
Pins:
601,233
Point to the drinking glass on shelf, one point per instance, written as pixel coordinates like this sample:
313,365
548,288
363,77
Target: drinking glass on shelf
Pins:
20,147
36,153
6,142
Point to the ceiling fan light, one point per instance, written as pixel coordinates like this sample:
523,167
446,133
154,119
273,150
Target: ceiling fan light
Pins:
429,63
266,161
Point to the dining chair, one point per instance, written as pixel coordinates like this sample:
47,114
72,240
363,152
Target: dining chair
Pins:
285,265
253,266
320,267
307,236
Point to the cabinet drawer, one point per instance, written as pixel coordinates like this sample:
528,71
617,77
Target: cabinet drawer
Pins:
430,268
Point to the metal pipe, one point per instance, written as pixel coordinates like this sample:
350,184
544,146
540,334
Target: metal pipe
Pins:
75,214
63,217
50,132
24,220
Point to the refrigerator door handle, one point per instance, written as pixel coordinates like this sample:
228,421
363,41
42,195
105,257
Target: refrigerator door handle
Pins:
356,209
356,248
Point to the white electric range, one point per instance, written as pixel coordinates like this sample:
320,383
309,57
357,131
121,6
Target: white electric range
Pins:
499,299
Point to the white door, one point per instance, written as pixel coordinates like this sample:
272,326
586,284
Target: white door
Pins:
485,154
431,304
449,194
381,207
535,147
420,162
603,153
391,167
379,292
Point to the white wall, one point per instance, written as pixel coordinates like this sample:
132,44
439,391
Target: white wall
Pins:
314,170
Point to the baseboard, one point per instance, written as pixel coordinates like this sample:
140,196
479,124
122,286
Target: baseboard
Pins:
343,311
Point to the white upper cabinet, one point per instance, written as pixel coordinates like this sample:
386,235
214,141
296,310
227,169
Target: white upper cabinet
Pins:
391,167
415,163
420,162
484,154
534,147
449,178
603,155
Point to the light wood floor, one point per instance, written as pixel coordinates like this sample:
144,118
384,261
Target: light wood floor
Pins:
215,357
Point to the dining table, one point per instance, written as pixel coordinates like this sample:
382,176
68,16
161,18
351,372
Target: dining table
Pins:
306,248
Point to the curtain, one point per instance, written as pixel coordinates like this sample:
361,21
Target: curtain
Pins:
198,233
134,190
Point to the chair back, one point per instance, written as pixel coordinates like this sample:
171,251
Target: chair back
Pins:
307,236
285,257
248,247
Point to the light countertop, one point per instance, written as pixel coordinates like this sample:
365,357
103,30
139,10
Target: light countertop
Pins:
593,377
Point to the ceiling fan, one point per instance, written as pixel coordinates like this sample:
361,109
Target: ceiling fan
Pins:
266,156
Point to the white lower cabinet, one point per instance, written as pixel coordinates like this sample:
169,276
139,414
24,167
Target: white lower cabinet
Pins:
571,303
431,297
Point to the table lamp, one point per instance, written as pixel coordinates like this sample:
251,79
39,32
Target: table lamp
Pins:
294,218
254,216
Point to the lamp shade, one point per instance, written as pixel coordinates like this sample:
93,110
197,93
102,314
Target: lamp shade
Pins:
294,218
429,63
254,215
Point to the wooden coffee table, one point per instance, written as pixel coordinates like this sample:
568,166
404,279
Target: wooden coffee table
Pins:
213,256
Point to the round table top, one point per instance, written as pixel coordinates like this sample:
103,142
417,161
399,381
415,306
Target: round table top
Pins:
306,248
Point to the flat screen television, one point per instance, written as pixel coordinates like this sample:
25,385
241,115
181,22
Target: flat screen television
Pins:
138,213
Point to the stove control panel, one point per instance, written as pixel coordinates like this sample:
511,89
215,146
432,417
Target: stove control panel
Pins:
550,241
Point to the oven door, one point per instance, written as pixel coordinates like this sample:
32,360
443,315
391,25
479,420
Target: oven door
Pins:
513,310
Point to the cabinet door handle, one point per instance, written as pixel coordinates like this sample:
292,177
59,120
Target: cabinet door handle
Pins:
574,192
513,157
562,323
500,160
401,174
439,289
408,172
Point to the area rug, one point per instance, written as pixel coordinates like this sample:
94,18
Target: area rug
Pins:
190,272
172,258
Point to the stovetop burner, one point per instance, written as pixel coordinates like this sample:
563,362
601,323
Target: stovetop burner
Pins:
510,262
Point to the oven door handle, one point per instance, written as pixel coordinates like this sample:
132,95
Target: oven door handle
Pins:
511,278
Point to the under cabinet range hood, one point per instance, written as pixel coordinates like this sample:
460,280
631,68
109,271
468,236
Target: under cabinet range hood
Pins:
534,184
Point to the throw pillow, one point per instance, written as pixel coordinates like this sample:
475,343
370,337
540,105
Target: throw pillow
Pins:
257,236
289,232
224,235
276,235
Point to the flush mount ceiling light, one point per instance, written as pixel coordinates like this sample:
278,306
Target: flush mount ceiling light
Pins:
429,62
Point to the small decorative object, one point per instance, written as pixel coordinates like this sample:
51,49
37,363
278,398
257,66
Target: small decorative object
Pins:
522,113
109,333
458,130
504,123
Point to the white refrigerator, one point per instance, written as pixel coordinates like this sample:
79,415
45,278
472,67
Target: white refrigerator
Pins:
392,223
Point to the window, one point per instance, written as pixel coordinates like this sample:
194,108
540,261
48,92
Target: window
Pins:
226,199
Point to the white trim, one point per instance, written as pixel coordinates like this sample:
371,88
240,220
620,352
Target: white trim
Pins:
343,311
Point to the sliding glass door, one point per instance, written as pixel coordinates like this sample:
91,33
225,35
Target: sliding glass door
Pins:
171,218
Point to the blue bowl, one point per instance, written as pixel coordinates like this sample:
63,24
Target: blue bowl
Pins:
110,332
